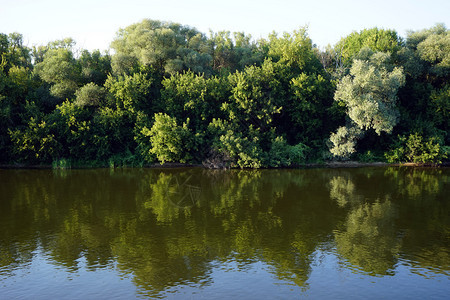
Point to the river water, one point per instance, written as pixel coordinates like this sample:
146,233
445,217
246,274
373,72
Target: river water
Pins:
372,233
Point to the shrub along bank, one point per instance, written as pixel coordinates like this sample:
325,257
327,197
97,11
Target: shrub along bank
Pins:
171,94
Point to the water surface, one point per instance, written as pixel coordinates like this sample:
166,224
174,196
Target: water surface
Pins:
191,233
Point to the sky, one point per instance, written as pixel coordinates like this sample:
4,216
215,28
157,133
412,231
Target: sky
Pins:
94,23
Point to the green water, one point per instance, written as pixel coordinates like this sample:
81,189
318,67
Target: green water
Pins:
367,233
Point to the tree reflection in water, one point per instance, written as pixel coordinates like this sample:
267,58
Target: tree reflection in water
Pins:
175,226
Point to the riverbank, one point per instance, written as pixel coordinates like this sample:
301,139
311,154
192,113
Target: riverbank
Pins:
330,164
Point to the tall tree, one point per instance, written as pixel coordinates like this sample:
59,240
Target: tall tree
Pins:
378,40
369,93
169,47
61,70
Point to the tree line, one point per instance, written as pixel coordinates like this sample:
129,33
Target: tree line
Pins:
169,93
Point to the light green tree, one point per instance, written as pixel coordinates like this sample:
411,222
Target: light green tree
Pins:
170,142
344,141
383,40
60,69
169,47
435,49
90,95
369,93
130,92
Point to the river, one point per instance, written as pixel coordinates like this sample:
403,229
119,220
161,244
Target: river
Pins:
191,233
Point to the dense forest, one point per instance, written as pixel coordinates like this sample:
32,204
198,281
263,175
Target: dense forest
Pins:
169,93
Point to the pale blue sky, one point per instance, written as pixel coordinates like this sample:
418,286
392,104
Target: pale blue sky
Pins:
93,23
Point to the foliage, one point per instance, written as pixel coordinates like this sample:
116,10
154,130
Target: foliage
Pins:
433,46
73,127
369,156
60,69
61,163
293,50
439,107
130,92
111,132
89,95
370,93
233,51
417,149
187,95
243,151
95,67
169,47
170,142
378,40
254,97
34,143
305,118
282,154
169,93
344,141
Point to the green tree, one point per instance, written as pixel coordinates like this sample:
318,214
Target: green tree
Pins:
168,47
113,134
95,67
170,141
61,70
193,96
14,51
34,141
307,113
369,93
378,40
132,92
424,99
344,140
90,95
294,51
282,154
72,126
254,97
233,51
439,108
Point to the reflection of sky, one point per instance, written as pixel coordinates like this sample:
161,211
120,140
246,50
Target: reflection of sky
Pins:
328,279
230,281
42,279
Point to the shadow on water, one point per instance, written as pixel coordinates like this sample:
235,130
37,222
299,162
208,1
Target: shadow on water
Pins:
168,227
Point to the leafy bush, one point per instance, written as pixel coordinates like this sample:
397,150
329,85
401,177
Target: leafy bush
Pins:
242,150
34,143
61,163
369,156
282,154
245,152
415,148
90,95
169,141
